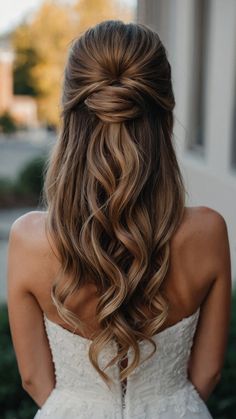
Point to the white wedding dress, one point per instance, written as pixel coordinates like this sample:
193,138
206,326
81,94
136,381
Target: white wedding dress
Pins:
157,389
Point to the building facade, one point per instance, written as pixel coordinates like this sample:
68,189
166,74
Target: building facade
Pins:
23,108
200,38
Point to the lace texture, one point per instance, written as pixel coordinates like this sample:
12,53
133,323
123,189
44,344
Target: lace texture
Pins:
157,389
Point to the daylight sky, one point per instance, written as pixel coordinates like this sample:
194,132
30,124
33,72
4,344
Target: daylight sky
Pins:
12,11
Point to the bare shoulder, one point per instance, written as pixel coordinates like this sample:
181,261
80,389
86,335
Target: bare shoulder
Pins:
28,239
204,223
32,261
29,231
201,223
202,240
204,217
29,224
209,225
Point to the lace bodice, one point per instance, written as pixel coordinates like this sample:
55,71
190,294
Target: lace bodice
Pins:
158,388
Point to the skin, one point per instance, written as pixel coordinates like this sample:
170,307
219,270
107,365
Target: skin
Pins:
199,274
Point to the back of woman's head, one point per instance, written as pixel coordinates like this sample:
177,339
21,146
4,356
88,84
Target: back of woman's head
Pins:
113,189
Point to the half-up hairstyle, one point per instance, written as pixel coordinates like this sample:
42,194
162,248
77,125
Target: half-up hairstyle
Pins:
113,188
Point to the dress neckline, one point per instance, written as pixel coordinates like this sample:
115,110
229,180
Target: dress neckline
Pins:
162,332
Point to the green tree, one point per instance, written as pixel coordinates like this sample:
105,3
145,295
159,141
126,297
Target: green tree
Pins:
25,59
41,47
7,123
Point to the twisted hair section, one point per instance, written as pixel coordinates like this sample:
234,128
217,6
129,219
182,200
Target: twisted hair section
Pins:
113,188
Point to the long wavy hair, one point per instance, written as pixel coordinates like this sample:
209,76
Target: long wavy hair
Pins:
113,189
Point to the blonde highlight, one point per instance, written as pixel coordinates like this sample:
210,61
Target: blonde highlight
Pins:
113,188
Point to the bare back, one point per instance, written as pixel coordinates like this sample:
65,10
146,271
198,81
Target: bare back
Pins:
199,275
187,283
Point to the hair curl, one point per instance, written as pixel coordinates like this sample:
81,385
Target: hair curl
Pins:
113,188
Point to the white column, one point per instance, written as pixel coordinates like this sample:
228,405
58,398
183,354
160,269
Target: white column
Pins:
221,79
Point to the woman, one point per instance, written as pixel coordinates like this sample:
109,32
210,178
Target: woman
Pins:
118,294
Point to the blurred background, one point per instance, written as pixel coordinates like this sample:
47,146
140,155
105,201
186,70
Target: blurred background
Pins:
200,38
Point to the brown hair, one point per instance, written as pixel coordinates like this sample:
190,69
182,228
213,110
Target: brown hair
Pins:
113,188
